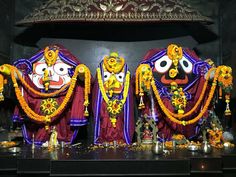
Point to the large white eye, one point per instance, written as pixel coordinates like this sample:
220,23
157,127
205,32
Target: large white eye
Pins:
61,68
106,76
163,64
186,65
40,67
120,77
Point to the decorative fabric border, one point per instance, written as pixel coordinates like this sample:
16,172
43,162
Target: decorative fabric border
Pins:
78,122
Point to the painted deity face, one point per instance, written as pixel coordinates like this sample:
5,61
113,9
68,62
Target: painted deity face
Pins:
113,81
164,68
113,74
57,73
174,66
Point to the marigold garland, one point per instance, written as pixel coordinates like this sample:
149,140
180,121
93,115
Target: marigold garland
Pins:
47,119
180,116
174,119
226,84
225,79
87,84
31,114
143,80
114,106
178,99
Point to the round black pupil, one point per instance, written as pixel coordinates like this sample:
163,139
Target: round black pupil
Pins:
120,77
185,63
105,76
163,63
61,69
43,69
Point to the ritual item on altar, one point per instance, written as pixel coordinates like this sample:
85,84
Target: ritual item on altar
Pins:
215,137
177,89
113,102
52,89
227,137
179,139
206,147
7,144
146,130
53,142
157,148
192,147
33,144
147,135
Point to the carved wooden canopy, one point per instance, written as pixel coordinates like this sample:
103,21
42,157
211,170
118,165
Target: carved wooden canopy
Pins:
113,11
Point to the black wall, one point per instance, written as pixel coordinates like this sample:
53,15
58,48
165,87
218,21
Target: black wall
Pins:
6,31
6,37
228,38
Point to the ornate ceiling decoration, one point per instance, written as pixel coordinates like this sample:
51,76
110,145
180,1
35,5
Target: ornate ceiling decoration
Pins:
113,11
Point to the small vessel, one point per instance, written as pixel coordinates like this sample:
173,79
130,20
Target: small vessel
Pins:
206,147
157,148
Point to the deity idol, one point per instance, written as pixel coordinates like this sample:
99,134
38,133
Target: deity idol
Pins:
112,102
52,89
176,88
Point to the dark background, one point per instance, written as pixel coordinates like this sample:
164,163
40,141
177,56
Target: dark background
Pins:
90,42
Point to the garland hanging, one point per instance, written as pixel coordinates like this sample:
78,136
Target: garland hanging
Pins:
47,119
180,116
143,78
175,117
114,106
